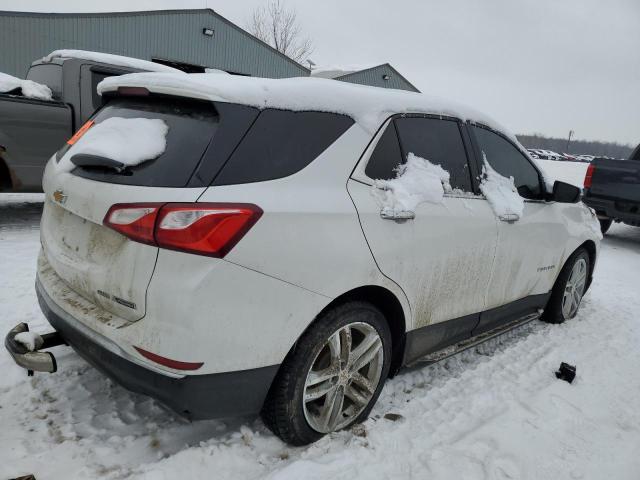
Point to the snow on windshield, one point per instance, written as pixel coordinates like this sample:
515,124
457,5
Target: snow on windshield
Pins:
111,59
130,141
417,181
29,88
500,192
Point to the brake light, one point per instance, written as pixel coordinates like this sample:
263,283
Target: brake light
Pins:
134,220
211,229
78,135
588,177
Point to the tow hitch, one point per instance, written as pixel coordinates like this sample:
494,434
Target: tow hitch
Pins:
33,361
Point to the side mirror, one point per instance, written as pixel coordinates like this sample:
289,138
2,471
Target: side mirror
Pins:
565,193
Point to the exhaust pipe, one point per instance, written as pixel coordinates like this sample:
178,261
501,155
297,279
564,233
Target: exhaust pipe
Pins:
33,361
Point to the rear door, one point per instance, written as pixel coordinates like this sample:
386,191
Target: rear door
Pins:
96,262
530,250
442,258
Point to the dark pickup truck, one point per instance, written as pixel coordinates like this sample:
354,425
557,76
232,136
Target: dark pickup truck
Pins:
32,130
612,189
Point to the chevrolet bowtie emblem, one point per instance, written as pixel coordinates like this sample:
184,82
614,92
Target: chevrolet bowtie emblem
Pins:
59,197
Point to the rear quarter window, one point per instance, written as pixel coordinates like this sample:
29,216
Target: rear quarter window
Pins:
281,143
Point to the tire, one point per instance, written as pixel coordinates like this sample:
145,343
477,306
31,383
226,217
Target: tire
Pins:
297,422
557,310
605,224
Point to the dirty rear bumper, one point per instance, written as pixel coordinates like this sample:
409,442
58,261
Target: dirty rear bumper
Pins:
196,397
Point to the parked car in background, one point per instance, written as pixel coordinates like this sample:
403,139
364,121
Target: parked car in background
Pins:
584,158
533,153
32,129
612,189
234,256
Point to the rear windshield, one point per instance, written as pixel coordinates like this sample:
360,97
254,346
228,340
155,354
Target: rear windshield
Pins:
192,125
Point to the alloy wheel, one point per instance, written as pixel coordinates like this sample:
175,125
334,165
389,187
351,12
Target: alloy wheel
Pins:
343,377
574,289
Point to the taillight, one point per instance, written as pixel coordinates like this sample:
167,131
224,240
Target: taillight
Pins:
588,177
134,220
211,229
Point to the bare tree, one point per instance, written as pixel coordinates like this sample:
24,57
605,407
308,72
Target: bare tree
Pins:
278,26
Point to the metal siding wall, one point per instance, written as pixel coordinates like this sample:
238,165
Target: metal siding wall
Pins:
173,35
373,77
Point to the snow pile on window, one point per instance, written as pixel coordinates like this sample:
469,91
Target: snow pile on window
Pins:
417,181
500,192
30,340
130,141
111,59
29,88
369,106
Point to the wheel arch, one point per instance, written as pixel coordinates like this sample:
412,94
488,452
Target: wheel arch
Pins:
390,306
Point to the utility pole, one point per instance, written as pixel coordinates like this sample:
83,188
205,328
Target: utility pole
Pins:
571,132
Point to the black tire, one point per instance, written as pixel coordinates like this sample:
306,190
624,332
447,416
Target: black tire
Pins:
605,224
553,312
283,411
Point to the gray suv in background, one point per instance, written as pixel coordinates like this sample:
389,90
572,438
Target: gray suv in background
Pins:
31,130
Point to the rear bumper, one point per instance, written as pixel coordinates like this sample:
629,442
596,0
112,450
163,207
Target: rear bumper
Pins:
193,396
620,211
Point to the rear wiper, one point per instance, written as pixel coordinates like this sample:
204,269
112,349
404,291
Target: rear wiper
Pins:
86,160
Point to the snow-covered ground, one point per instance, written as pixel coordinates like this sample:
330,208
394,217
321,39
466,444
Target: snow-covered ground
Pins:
496,412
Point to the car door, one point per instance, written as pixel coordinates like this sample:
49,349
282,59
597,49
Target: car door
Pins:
442,258
529,249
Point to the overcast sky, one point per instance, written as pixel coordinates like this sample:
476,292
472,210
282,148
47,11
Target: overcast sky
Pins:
546,66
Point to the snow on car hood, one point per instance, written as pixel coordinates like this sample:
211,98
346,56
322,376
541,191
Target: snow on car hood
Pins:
130,141
118,60
368,106
29,88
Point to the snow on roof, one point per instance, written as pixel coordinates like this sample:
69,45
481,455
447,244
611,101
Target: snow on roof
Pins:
29,88
111,59
368,106
335,71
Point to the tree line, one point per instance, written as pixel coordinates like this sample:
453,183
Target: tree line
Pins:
578,147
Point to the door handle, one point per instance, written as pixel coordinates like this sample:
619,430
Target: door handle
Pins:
509,217
397,215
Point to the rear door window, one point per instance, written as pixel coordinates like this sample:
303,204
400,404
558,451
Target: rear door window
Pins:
440,142
508,161
281,143
192,125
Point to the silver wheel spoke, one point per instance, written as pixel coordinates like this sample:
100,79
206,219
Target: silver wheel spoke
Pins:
361,359
358,398
332,409
345,343
319,391
316,377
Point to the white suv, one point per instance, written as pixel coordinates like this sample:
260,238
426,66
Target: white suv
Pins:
287,245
